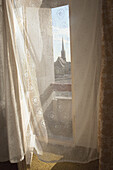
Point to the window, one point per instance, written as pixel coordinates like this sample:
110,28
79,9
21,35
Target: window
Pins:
49,39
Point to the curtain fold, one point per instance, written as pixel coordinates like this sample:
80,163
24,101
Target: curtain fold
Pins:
20,104
39,115
106,105
86,65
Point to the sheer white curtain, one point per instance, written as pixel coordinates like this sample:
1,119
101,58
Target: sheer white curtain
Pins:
36,119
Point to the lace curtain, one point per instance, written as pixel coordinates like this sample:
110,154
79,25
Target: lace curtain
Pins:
38,120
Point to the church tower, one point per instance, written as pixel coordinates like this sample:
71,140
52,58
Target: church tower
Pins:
63,51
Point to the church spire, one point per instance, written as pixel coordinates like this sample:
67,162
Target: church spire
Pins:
63,51
62,44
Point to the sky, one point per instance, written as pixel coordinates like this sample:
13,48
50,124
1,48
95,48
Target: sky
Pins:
60,25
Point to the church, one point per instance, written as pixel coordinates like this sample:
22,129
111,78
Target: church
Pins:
62,68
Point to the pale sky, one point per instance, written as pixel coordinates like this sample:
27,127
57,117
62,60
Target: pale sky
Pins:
60,24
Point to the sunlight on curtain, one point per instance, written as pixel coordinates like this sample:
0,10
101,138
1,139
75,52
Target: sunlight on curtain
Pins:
43,115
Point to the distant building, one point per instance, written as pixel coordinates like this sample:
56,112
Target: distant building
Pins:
62,68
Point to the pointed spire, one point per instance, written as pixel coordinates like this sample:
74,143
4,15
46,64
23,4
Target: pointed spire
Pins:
62,44
63,51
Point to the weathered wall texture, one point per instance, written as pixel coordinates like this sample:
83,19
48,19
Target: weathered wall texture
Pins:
3,128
